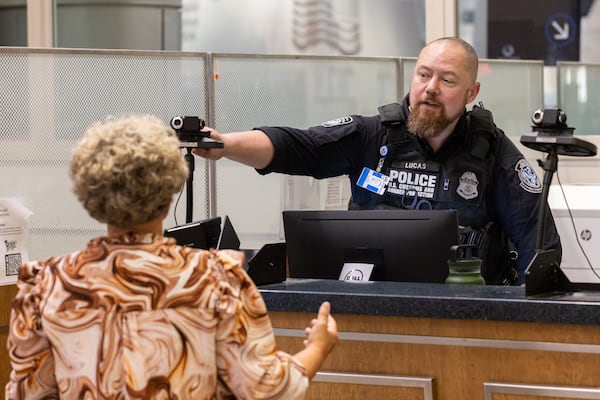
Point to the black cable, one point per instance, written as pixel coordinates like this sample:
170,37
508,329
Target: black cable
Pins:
176,204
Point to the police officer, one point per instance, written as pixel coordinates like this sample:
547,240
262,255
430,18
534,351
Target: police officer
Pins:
427,153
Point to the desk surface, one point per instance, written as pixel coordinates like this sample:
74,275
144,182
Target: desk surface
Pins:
495,303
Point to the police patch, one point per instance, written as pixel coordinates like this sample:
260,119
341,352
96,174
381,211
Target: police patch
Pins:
529,179
337,122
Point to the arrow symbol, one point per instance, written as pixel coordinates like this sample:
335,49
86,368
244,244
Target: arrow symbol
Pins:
562,31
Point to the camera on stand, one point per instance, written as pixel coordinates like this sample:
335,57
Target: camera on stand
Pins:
549,118
190,134
550,134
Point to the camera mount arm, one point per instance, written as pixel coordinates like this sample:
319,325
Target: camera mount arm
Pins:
190,134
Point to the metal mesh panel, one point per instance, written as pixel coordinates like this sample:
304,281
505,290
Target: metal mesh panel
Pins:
48,98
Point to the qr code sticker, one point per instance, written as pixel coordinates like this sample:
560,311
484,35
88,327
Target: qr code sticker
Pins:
10,245
13,261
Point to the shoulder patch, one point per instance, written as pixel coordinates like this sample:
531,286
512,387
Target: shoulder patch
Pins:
337,122
529,179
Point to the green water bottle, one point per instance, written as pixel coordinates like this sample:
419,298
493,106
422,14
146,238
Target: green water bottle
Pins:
464,265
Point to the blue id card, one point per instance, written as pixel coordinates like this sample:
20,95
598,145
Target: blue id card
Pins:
373,181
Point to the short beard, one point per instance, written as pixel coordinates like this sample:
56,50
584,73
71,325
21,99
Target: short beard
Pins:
425,124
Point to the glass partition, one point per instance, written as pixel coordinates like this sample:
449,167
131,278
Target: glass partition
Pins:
511,90
49,97
579,96
252,91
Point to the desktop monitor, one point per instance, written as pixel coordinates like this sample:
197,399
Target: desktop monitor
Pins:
403,245
264,266
202,234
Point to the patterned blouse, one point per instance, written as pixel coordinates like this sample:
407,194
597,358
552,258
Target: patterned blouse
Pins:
140,317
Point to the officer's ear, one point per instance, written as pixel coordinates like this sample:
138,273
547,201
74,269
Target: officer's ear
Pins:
473,91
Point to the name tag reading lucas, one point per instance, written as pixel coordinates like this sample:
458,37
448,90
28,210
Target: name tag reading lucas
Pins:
373,181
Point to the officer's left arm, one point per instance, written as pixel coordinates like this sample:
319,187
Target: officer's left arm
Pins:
518,198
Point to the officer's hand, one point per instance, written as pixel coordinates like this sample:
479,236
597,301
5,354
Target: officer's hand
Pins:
212,153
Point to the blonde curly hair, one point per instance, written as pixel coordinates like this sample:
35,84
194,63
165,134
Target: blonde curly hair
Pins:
126,170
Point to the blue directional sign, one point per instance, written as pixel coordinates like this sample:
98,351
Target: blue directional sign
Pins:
560,29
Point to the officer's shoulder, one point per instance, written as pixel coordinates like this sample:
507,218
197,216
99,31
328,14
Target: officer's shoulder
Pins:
389,113
482,117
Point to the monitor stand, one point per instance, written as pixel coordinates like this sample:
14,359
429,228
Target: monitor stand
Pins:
546,280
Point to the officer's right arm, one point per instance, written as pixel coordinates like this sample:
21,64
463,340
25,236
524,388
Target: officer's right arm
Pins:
253,148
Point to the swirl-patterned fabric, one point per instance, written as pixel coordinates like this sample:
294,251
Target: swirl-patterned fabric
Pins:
140,317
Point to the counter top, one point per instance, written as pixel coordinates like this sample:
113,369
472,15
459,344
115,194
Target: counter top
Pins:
427,300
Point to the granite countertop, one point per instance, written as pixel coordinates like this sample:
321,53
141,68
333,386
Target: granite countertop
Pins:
428,300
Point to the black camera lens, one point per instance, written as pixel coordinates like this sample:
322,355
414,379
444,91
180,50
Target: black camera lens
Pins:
537,117
177,122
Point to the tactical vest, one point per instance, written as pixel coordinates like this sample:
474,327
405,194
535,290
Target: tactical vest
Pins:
459,176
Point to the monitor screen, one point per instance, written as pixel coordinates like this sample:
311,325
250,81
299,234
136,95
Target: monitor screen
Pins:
202,234
404,245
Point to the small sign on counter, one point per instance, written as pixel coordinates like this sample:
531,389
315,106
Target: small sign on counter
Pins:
13,235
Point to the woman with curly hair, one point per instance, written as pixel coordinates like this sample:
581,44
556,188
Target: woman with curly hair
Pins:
136,316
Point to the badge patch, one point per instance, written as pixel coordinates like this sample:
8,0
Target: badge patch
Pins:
337,122
383,151
529,179
467,186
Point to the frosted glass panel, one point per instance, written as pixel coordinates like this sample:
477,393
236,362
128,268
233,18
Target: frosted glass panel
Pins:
48,98
294,91
408,69
579,96
511,90
299,91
